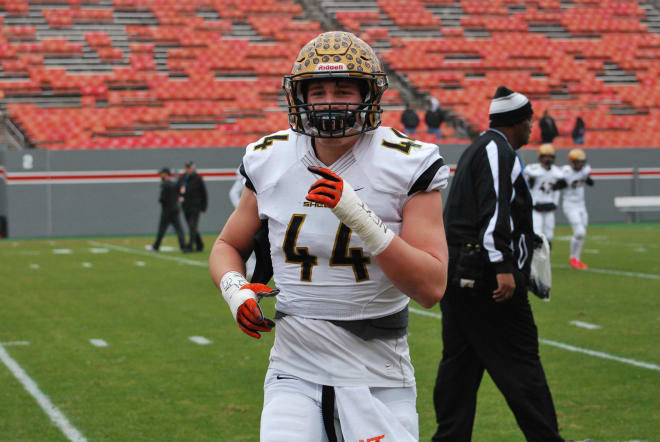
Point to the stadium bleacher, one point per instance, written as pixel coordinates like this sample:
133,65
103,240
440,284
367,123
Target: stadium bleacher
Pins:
98,74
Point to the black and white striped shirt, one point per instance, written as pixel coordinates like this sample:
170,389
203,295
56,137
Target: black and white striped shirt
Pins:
490,204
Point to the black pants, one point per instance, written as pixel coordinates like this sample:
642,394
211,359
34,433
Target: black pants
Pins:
192,219
479,334
167,218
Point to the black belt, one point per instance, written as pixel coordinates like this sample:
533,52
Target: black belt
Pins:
387,327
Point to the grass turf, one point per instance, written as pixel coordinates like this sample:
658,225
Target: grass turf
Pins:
153,383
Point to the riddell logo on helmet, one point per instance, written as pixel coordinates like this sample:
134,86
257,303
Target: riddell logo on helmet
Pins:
331,67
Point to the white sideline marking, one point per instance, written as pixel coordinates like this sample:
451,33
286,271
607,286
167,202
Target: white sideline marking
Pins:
98,250
201,340
425,313
161,249
62,251
563,346
613,272
640,250
139,263
438,316
87,265
599,354
585,325
153,255
49,408
98,342
12,343
34,266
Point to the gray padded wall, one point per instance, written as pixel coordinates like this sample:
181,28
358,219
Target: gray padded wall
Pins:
39,201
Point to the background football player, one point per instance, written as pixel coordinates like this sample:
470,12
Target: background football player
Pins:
576,174
545,180
347,208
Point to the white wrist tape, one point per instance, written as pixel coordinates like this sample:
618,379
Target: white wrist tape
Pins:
230,286
353,212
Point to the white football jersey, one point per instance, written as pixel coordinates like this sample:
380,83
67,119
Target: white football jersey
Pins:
320,267
544,179
574,192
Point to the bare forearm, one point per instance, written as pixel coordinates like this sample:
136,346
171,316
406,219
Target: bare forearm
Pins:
417,273
224,258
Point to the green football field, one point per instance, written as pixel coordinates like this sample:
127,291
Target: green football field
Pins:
102,340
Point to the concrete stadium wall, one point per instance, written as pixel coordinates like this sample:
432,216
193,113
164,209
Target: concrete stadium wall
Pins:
115,192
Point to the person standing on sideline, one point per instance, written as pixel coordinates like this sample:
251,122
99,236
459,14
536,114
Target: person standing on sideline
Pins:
576,173
409,120
434,118
544,179
548,128
346,204
193,199
578,131
487,321
169,201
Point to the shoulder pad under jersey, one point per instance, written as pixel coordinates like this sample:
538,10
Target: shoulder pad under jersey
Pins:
266,159
396,163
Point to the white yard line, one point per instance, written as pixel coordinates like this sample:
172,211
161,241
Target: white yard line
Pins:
201,340
98,343
157,255
437,315
612,272
598,354
49,408
12,343
585,325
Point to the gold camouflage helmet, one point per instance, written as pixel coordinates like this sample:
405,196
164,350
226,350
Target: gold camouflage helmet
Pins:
337,55
546,149
577,155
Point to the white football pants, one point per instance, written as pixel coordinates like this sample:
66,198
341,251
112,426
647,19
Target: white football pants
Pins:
544,222
292,412
579,219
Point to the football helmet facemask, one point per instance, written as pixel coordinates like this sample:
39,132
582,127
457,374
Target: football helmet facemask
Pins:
335,55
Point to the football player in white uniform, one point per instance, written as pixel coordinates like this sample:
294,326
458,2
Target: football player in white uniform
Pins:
354,217
544,179
576,174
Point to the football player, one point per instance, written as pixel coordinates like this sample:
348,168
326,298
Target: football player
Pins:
576,174
354,219
545,180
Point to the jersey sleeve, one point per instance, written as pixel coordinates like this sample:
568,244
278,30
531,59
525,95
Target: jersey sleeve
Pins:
259,168
398,164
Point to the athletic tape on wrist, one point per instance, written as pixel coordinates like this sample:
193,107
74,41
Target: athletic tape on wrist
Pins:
353,212
230,286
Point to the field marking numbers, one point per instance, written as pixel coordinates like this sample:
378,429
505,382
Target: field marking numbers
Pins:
49,408
152,254
585,325
201,340
98,342
12,343
62,251
598,354
612,272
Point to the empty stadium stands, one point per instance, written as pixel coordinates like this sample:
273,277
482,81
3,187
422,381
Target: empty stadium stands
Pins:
592,58
98,74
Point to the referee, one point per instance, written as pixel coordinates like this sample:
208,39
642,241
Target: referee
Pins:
487,322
